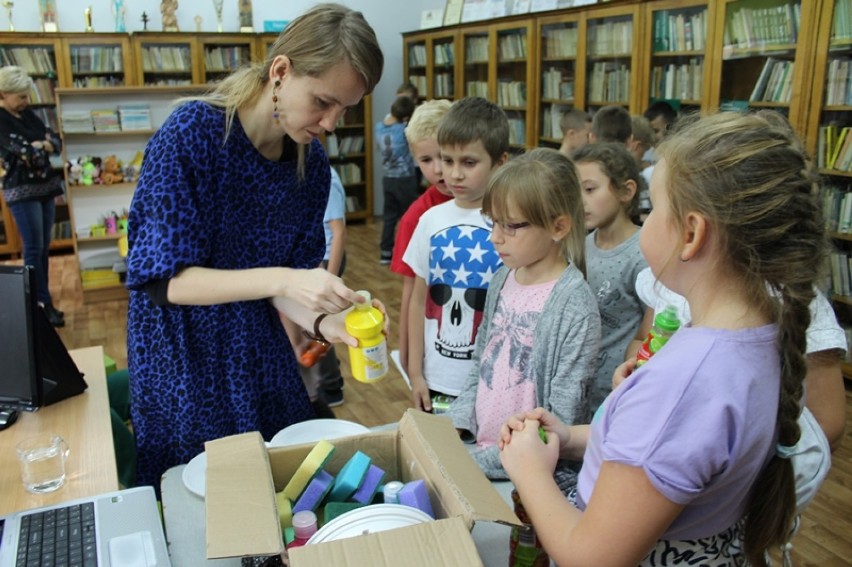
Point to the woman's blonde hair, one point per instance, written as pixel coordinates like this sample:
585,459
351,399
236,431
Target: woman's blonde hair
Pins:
316,41
750,177
542,185
15,80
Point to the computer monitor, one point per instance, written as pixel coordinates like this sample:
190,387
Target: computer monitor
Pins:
35,367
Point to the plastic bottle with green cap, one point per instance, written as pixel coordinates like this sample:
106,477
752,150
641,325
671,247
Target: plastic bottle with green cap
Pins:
665,324
369,360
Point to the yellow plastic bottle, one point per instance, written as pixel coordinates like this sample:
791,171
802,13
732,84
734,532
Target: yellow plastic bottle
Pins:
369,361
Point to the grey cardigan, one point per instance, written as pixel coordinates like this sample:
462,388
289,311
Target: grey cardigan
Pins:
564,358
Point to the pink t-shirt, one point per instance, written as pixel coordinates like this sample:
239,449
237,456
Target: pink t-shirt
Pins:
408,223
506,384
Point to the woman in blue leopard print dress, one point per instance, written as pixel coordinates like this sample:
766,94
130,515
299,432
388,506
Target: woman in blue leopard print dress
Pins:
226,216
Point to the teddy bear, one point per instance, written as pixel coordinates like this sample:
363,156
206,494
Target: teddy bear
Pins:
111,171
74,172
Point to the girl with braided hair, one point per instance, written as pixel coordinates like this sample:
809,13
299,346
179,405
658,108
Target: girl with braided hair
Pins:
688,460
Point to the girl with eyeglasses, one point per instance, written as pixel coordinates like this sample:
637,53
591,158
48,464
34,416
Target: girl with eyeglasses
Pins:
611,183
538,340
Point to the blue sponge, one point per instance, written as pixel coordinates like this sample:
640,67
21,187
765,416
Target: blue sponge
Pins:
367,491
314,493
415,494
350,477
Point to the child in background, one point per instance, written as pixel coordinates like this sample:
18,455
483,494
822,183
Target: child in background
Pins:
575,126
611,124
641,140
538,341
399,182
611,185
690,456
422,136
451,253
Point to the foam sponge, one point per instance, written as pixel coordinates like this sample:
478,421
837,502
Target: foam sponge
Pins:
415,494
350,477
285,510
314,493
334,509
314,462
370,485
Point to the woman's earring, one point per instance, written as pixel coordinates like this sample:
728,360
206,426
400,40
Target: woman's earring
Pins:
275,100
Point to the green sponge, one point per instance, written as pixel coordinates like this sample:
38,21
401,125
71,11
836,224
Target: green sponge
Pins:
314,462
334,509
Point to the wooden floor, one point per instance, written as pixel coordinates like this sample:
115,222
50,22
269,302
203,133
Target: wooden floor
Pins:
824,540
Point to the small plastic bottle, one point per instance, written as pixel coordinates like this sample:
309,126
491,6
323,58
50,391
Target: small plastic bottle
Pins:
304,526
525,549
391,492
665,324
369,361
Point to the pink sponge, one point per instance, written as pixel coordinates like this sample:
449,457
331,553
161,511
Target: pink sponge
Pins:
367,491
415,494
314,493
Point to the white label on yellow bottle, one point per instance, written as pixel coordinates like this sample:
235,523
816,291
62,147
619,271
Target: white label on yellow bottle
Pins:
375,361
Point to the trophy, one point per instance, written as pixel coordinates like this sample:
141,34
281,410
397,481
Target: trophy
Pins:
47,8
217,5
87,14
8,5
246,20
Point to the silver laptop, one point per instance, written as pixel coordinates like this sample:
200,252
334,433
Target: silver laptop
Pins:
116,529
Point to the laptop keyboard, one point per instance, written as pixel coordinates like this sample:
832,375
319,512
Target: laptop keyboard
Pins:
62,537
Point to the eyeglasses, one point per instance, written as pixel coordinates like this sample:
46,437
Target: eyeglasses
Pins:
508,228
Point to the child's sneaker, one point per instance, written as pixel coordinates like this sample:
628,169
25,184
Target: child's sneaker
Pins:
332,398
385,258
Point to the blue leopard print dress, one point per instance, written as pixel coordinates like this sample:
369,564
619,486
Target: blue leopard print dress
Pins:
203,372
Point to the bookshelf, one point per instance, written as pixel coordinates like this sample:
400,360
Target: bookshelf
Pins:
167,59
349,152
613,57
263,43
92,61
416,64
829,126
89,205
762,56
430,63
562,74
515,83
221,54
9,244
679,36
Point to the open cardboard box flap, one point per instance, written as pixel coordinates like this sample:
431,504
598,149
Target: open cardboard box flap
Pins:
242,477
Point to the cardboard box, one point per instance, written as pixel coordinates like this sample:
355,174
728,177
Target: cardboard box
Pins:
243,476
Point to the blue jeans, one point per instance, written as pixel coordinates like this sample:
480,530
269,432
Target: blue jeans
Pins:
35,224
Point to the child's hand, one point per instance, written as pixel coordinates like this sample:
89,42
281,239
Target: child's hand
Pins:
420,394
622,372
514,423
526,454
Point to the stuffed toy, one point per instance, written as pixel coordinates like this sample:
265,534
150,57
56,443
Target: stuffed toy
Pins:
87,173
111,171
74,172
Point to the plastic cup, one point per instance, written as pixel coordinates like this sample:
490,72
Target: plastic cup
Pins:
42,459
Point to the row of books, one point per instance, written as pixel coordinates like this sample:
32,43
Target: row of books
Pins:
610,82
162,82
838,83
344,146
417,56
836,202
841,273
772,25
560,42
352,204
511,93
353,117
94,59
418,81
557,84
61,230
349,173
476,50
98,81
166,58
36,60
444,86
611,38
842,27
476,88
512,46
681,31
517,131
834,147
226,58
551,117
678,81
775,83
42,91
444,54
124,118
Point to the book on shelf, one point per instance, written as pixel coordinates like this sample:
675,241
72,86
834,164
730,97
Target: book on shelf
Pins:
352,204
77,121
135,116
105,120
453,12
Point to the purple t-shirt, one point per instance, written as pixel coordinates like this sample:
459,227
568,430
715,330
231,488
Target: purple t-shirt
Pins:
699,419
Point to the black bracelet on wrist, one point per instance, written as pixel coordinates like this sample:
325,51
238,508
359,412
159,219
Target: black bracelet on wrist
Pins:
318,336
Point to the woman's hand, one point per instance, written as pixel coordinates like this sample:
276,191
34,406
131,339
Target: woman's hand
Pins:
527,453
318,290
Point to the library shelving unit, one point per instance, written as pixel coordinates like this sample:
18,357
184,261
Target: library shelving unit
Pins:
762,56
830,140
430,63
167,59
41,57
679,34
515,81
92,61
476,43
349,152
90,204
561,72
221,54
613,57
263,43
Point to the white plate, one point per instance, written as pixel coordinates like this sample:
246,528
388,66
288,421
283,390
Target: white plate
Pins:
315,429
194,474
370,519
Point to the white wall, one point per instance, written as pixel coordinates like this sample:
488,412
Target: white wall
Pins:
388,17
